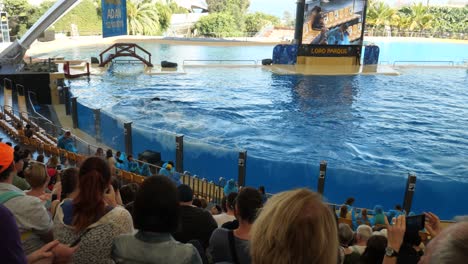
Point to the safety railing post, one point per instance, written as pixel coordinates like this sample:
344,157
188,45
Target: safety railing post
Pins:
128,138
242,166
97,124
211,196
409,192
66,94
179,154
74,111
322,175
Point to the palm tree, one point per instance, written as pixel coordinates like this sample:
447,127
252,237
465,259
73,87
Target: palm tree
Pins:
419,17
380,14
142,18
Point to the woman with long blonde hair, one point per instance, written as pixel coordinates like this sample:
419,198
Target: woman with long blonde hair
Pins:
295,227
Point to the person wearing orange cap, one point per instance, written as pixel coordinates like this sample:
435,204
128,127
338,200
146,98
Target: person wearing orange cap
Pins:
31,216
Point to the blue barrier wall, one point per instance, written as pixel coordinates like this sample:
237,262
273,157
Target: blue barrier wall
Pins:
86,119
112,132
154,140
211,162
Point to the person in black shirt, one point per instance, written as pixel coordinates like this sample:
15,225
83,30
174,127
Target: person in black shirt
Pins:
195,223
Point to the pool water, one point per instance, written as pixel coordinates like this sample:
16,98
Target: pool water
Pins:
372,130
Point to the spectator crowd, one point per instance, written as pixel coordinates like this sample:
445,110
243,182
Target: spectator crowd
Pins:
84,215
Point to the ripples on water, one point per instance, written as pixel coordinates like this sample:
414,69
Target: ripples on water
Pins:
385,125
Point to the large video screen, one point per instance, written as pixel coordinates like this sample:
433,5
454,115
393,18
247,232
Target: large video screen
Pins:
333,22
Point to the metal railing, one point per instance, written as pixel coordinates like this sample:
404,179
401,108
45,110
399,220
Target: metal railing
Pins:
211,62
210,190
450,63
371,32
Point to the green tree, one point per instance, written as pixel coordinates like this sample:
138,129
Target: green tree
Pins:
142,18
236,8
228,6
217,25
176,9
379,14
164,16
258,20
19,12
85,16
418,17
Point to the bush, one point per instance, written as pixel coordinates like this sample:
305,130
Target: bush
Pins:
217,25
258,20
85,16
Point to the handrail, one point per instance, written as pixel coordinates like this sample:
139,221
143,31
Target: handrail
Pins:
255,62
452,63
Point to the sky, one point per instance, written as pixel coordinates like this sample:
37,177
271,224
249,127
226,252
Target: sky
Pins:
274,7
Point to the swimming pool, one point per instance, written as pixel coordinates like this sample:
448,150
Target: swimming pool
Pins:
372,130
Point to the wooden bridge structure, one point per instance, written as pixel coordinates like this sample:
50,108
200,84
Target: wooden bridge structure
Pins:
124,50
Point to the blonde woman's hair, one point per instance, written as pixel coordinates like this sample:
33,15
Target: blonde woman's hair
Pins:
295,227
36,175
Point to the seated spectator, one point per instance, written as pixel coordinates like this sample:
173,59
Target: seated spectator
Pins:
156,214
17,151
132,165
228,206
145,169
216,210
195,224
379,216
66,142
399,210
18,179
67,187
118,157
36,176
345,236
116,187
351,211
233,245
52,171
294,227
99,153
204,203
111,161
28,132
362,218
31,216
230,187
128,193
12,251
197,203
363,233
375,250
93,216
168,170
40,158
261,189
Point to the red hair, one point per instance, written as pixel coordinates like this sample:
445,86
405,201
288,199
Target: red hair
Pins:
94,178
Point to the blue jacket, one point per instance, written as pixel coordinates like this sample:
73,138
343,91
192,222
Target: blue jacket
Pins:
133,166
230,187
172,174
